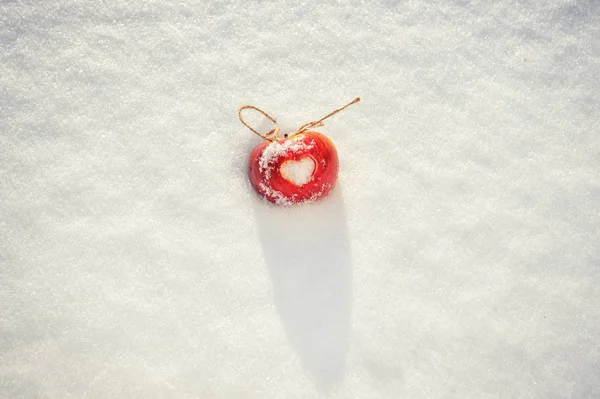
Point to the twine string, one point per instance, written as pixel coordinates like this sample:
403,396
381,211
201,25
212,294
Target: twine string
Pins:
319,123
273,134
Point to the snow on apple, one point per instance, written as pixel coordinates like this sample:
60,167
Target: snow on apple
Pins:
301,168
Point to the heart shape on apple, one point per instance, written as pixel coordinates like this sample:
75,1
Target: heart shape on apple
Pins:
298,172
301,168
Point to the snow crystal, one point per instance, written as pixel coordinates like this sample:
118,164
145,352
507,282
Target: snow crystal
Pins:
278,196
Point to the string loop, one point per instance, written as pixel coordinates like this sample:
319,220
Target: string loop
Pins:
273,134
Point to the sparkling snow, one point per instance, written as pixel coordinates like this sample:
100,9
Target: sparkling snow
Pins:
459,256
276,150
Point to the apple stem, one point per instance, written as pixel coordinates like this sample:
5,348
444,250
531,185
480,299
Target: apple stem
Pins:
273,134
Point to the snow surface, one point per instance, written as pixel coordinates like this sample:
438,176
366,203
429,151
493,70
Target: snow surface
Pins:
458,258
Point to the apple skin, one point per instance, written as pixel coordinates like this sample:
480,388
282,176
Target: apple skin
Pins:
266,162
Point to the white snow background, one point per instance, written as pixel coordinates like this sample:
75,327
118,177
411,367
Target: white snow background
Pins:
459,256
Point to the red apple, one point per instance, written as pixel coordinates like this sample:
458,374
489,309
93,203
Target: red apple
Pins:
301,168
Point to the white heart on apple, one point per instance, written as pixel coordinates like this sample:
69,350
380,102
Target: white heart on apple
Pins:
298,172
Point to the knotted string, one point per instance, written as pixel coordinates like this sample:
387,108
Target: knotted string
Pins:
273,134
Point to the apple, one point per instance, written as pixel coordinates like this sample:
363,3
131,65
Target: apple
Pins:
300,168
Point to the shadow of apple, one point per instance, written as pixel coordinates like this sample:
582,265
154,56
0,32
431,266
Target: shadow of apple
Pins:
307,252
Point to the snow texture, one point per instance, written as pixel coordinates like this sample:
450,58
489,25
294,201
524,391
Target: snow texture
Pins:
277,196
276,150
459,256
